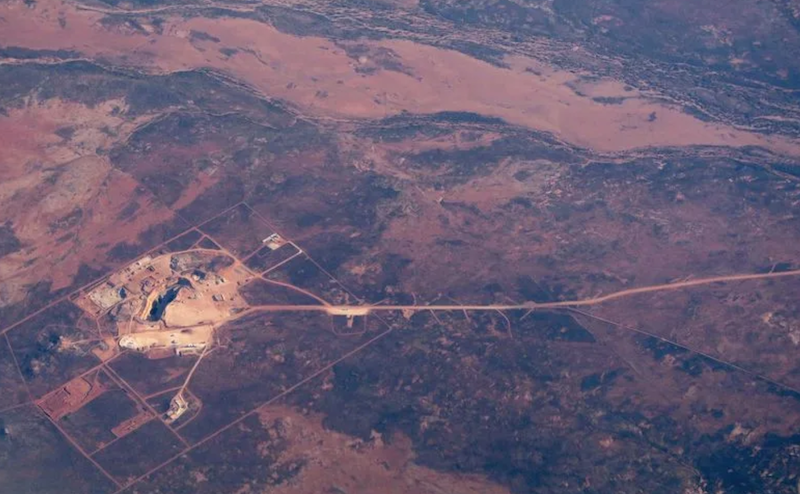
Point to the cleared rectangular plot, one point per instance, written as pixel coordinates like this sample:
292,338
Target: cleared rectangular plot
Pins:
138,452
91,425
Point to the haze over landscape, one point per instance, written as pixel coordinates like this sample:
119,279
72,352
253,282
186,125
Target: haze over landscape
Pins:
399,246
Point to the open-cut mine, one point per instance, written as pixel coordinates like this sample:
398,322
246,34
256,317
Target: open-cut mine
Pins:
408,246
172,301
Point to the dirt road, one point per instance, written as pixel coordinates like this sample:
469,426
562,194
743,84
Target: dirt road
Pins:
360,310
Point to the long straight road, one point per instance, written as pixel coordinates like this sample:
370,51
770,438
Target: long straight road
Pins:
362,310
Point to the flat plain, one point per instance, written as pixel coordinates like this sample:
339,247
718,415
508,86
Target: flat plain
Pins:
478,247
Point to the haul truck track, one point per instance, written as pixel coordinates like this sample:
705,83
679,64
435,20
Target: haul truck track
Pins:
203,288
363,310
211,298
181,299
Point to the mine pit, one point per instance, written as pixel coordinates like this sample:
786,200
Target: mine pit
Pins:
170,304
163,300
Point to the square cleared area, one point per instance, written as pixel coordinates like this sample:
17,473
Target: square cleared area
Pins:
106,414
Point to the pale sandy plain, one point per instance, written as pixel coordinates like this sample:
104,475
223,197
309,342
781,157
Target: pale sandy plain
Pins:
321,78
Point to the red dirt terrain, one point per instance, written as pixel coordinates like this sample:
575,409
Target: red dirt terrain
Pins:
336,247
325,80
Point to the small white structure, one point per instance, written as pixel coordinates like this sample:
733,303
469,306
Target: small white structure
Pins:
177,407
274,241
137,342
181,342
